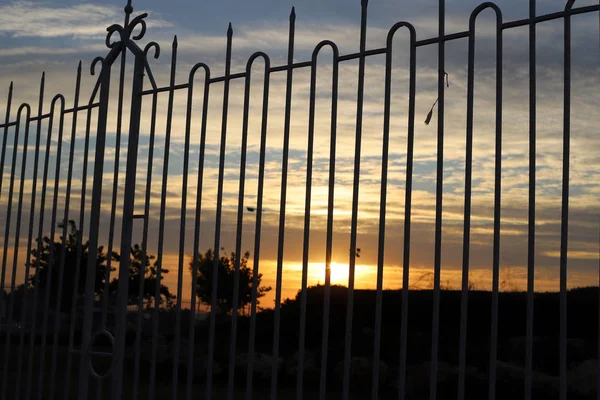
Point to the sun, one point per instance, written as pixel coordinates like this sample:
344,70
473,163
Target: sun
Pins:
339,273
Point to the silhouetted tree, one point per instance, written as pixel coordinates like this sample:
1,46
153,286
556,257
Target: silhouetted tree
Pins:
52,251
225,281
150,279
69,278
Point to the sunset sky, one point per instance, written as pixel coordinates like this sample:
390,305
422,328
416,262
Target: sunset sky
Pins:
53,35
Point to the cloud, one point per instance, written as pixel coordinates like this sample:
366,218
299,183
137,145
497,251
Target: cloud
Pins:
33,19
272,37
49,51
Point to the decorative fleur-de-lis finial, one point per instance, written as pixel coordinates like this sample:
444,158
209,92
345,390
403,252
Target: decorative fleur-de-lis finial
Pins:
126,31
128,7
128,11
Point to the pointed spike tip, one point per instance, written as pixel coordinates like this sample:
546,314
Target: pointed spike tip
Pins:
79,66
293,14
11,85
229,30
175,43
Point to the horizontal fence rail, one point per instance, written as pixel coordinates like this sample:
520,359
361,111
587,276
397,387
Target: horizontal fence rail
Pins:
78,320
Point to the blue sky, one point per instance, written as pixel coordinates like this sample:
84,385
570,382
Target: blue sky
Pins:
52,36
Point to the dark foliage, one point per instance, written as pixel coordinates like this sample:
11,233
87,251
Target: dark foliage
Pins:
48,273
150,279
225,281
46,266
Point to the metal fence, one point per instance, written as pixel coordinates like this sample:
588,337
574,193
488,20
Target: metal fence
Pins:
114,329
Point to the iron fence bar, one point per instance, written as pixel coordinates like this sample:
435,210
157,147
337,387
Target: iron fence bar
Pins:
531,207
551,16
52,249
329,238
165,89
79,244
128,212
41,117
93,95
407,209
306,227
199,191
462,352
144,255
163,200
381,232
85,363
10,200
35,304
11,185
307,204
64,236
383,194
238,245
29,244
37,261
6,233
290,65
355,194
113,204
114,195
155,313
7,348
239,226
147,68
5,136
284,167
564,226
182,236
127,228
8,125
438,203
497,204
383,50
257,235
213,300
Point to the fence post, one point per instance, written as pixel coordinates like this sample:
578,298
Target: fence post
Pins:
127,227
84,370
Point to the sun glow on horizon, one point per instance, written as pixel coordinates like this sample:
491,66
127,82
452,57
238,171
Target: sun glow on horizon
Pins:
340,273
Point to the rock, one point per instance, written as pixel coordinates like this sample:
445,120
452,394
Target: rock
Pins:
582,378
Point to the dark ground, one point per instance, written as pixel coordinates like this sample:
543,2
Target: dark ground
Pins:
582,347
